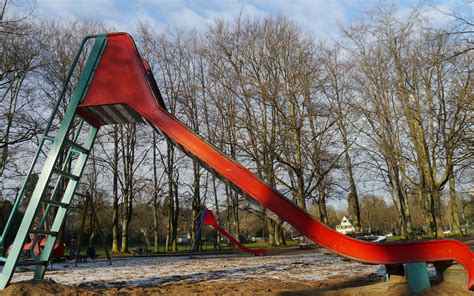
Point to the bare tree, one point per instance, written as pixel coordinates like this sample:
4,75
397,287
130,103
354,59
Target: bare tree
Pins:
380,111
339,92
21,55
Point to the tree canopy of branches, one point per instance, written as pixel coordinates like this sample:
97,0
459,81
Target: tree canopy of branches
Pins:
387,105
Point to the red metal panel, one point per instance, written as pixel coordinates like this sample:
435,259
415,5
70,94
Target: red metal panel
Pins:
121,79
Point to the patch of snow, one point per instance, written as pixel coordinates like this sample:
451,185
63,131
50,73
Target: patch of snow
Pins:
151,271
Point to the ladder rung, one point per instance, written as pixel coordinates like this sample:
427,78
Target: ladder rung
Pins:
44,232
49,138
62,190
32,262
3,259
77,147
66,175
55,203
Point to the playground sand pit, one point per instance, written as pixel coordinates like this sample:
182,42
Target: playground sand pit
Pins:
297,273
263,286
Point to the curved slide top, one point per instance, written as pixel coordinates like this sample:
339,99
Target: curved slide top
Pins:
210,219
122,87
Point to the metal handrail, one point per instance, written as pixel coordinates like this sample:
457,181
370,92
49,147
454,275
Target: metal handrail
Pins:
20,194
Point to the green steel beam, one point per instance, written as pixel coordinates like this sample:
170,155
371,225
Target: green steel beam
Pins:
54,154
417,277
56,190
67,197
45,137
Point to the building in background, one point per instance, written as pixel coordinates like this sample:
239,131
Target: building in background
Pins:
346,226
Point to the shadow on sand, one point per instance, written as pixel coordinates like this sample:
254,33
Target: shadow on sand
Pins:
363,285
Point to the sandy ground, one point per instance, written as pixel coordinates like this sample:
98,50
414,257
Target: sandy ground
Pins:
290,272
264,286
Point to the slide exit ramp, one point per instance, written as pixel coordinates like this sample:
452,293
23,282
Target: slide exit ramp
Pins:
208,218
120,88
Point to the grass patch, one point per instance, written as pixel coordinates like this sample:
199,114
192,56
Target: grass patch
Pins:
264,244
394,238
206,247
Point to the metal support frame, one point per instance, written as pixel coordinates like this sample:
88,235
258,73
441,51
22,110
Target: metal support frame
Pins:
197,235
417,276
59,163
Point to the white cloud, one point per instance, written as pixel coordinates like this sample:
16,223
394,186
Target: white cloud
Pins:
77,9
438,14
197,14
187,19
230,10
317,17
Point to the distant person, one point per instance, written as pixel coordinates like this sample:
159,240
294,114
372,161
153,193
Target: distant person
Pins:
73,249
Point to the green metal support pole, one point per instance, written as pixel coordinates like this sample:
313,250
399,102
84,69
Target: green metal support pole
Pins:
417,276
45,137
55,190
49,168
67,197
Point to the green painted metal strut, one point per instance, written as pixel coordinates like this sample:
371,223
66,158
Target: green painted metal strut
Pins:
54,193
67,197
417,276
46,137
64,165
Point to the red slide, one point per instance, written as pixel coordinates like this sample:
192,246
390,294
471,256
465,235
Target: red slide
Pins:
210,219
121,89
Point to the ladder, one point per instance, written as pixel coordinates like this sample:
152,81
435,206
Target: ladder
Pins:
66,156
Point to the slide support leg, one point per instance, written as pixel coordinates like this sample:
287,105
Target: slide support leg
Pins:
417,276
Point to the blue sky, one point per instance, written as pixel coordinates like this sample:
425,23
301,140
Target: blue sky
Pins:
317,17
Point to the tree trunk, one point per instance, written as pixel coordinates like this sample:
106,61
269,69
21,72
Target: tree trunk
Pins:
228,198
277,234
397,200
454,207
196,204
217,238
353,198
126,218
426,208
323,215
173,208
174,238
169,234
281,234
115,207
125,224
437,212
271,231
156,241
296,141
406,210
168,237
128,142
156,232
235,208
399,197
